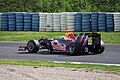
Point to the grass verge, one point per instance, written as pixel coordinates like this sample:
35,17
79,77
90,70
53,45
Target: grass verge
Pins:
22,36
52,64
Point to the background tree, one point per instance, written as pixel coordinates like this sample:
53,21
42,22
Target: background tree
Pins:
59,5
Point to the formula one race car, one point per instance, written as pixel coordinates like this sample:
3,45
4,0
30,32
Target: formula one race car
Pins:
70,43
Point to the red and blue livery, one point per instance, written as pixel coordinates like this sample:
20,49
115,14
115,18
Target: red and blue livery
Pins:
73,44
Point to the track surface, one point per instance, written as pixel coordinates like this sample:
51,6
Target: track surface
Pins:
111,55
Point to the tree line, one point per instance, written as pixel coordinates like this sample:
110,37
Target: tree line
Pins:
59,6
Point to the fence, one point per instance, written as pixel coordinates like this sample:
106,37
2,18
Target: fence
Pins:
74,21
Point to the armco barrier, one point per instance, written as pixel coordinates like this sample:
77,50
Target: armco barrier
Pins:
74,21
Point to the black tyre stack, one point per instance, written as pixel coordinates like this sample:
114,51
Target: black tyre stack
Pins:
35,22
19,21
86,22
109,22
11,21
94,22
27,21
78,21
4,22
102,22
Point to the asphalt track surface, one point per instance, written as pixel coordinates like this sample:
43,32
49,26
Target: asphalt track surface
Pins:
111,55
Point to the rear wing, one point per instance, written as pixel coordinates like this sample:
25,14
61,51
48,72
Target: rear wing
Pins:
95,38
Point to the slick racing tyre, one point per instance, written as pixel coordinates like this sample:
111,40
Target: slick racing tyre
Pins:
102,48
71,49
33,46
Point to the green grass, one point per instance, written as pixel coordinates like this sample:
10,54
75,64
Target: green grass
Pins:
26,36
52,64
107,37
111,37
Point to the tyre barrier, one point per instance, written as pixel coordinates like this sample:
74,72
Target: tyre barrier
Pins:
74,21
109,22
63,21
86,23
4,22
49,22
19,21
71,21
27,21
35,21
102,22
78,21
57,21
42,21
116,21
94,22
0,21
11,21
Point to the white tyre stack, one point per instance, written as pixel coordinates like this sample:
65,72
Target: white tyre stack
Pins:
57,21
116,21
0,21
63,21
71,21
42,21
49,22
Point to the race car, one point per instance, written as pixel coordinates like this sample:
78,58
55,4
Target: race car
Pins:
73,44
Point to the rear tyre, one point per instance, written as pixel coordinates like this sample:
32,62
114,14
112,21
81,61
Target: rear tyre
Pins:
33,46
71,49
102,48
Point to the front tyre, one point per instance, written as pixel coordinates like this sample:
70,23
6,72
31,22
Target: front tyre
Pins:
33,46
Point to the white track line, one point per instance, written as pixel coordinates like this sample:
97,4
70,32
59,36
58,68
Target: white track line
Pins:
87,63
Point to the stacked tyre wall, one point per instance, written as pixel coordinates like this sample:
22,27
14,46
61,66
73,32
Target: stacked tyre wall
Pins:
19,22
71,21
56,21
78,21
86,22
74,21
0,21
94,21
117,22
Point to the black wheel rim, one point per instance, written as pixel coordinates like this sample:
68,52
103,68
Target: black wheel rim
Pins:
31,46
